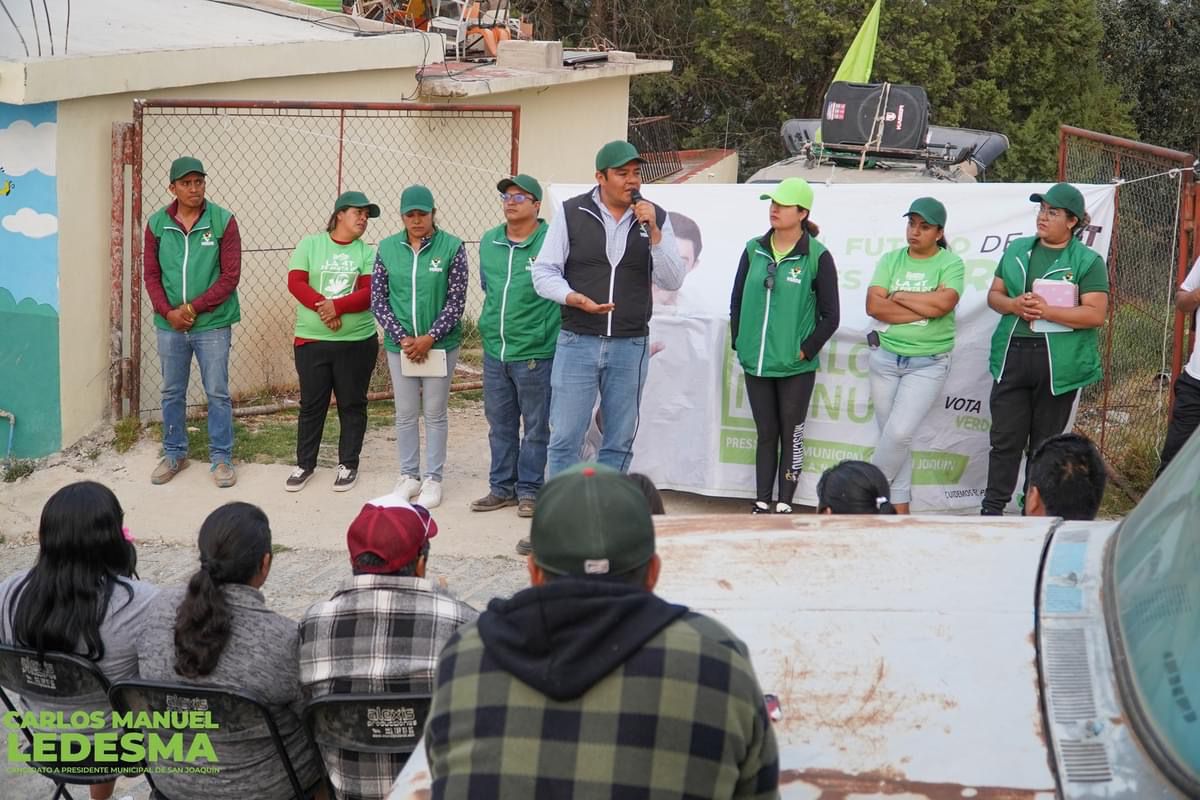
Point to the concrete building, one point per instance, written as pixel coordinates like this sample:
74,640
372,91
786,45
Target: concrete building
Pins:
57,111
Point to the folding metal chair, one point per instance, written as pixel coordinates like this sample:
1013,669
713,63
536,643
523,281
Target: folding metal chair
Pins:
59,678
235,714
383,724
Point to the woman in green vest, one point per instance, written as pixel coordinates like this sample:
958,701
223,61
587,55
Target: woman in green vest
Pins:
914,291
418,292
335,342
1052,294
783,309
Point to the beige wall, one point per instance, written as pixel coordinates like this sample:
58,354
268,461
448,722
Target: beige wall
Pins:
561,129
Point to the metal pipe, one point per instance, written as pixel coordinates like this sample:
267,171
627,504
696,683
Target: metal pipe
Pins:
12,427
318,105
116,254
133,387
275,408
1166,153
516,139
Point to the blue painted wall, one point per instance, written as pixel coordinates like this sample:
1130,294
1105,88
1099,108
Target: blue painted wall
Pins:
29,322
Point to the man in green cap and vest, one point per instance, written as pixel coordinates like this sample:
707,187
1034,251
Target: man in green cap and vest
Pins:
519,330
587,684
1051,291
602,252
192,263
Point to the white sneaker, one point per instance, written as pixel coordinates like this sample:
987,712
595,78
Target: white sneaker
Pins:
783,508
407,486
431,494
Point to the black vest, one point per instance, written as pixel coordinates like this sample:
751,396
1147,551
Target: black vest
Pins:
587,271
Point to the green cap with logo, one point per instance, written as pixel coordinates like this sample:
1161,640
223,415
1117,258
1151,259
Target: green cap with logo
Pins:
791,192
928,209
591,521
355,200
526,183
185,165
616,154
1064,196
416,198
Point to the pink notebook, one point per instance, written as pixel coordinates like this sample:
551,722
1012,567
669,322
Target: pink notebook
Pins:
1060,294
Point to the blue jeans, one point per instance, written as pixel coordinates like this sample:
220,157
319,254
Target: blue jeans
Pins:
513,392
903,390
416,397
583,366
211,348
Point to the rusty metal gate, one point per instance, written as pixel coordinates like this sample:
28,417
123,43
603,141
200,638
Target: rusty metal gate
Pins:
278,166
1143,342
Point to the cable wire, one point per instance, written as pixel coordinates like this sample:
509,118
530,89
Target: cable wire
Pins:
16,28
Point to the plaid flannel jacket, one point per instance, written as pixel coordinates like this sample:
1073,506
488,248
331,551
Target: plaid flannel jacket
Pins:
684,717
378,633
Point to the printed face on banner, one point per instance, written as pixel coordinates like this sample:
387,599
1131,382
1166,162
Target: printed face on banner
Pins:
697,432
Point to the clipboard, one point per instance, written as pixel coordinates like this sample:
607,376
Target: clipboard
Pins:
1060,294
434,365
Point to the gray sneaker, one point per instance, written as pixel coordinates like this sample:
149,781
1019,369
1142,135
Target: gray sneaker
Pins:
223,474
524,547
168,468
526,506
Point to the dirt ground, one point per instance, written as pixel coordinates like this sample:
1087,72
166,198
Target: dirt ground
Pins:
472,554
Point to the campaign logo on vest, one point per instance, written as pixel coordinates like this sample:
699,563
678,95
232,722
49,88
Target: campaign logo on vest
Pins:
794,274
529,265
207,239
435,265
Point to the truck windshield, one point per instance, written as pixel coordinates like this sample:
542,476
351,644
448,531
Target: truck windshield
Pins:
1157,595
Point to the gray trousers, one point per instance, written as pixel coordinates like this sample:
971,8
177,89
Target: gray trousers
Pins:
414,395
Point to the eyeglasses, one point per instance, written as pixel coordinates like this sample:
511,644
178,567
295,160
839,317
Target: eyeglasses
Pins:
1050,213
769,281
515,197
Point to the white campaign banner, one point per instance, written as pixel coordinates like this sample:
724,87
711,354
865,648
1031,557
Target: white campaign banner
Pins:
696,432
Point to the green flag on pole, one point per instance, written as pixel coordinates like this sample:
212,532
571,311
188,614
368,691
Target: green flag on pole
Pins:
856,65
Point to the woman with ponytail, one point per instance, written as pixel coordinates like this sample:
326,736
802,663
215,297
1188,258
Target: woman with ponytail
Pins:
914,292
219,632
783,308
853,487
82,595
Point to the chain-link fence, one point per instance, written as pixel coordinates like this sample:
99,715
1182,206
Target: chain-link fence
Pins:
279,167
1126,413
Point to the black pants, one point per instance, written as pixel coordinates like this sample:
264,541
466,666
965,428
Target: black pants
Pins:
343,368
1024,414
780,406
1185,418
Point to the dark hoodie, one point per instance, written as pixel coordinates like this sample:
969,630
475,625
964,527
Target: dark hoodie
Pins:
565,636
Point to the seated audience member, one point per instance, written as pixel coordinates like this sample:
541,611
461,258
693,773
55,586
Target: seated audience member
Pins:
380,632
853,487
650,492
81,595
1066,479
218,632
587,684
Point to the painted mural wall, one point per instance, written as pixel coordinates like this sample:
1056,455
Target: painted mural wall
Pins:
29,364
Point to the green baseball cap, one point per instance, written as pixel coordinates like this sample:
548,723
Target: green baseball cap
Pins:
591,521
524,182
616,154
928,209
791,192
416,198
1064,196
185,165
355,200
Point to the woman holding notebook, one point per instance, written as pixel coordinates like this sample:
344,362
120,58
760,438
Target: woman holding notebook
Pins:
1052,294
914,292
418,292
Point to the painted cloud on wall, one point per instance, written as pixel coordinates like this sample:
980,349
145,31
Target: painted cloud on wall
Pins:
26,148
30,223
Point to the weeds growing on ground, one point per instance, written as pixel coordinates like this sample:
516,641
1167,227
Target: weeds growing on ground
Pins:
126,433
18,468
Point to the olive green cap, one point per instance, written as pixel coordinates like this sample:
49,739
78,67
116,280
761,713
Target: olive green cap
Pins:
524,182
616,154
416,198
355,200
928,209
1064,196
185,165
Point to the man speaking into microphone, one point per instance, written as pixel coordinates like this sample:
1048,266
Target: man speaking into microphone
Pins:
601,253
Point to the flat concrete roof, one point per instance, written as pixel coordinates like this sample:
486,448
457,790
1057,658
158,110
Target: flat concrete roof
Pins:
140,45
453,79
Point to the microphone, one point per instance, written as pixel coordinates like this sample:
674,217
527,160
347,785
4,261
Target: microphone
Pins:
636,197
